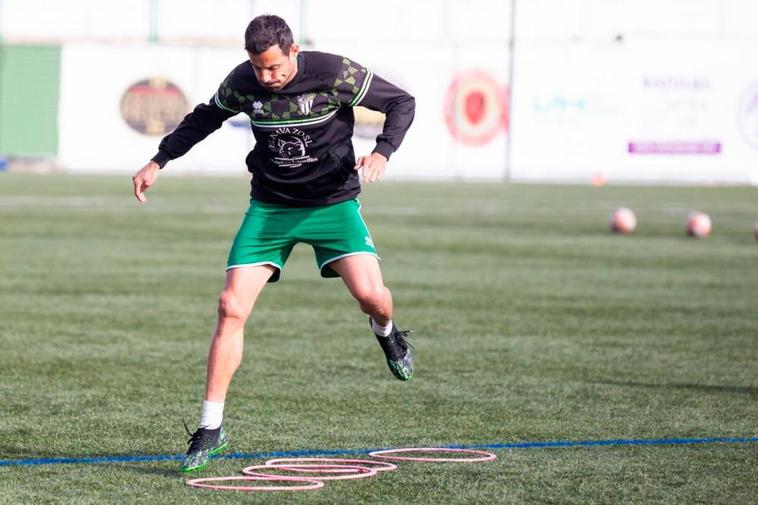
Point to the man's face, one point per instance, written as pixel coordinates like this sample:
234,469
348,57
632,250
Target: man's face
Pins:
273,68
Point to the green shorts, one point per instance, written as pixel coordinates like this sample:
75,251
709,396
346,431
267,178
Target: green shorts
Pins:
269,232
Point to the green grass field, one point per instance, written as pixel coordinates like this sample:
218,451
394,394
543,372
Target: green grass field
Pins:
533,323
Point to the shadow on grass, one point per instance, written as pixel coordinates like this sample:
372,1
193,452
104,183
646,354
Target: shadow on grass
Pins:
9,452
742,390
16,452
141,468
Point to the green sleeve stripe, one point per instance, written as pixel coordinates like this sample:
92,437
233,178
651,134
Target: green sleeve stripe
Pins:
364,89
221,105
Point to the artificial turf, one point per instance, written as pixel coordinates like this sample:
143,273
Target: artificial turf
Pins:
532,322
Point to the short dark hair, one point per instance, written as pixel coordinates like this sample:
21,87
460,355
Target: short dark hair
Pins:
267,31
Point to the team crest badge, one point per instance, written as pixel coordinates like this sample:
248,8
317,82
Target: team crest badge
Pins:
305,102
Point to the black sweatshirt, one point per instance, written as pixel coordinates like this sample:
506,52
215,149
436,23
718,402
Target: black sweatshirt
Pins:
303,155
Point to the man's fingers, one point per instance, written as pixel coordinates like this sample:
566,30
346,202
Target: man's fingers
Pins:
143,179
371,168
371,173
139,190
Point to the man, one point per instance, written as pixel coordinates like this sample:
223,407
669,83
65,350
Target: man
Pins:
304,187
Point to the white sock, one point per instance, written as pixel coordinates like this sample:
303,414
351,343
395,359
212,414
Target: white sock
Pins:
382,331
213,414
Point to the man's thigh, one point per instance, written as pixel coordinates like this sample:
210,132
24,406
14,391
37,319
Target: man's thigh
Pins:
247,282
265,237
359,272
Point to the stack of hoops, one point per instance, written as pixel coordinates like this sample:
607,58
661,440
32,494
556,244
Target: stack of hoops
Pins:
291,470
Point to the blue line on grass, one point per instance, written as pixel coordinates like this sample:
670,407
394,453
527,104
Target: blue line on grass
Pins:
345,452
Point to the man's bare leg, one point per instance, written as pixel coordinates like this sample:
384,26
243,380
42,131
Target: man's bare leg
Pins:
363,278
243,285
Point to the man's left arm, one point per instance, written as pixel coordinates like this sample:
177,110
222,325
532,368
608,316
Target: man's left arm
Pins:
399,108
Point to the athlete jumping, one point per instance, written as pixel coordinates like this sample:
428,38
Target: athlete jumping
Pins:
305,180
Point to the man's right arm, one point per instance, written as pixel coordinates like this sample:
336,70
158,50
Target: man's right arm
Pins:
198,124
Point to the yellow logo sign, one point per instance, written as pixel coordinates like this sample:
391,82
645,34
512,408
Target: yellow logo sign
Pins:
154,106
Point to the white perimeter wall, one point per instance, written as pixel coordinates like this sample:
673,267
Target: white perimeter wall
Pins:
643,91
94,137
592,80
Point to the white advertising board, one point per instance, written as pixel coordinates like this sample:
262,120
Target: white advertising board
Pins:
459,129
458,132
637,111
94,134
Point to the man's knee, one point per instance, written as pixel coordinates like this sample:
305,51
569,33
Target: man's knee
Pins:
231,307
373,298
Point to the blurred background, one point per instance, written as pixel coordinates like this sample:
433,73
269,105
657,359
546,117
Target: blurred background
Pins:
530,90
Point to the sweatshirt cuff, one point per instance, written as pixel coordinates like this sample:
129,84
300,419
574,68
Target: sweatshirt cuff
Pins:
161,158
385,149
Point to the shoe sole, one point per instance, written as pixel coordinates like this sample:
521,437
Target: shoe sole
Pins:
204,465
400,377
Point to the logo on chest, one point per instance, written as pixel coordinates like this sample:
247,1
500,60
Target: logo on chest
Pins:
305,102
289,147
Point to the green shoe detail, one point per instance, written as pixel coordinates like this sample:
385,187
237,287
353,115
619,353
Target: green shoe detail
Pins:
402,369
398,351
204,443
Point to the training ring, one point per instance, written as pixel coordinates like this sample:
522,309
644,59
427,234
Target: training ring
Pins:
389,454
312,483
381,466
344,472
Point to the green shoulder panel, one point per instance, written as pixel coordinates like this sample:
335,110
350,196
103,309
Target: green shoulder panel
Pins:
353,82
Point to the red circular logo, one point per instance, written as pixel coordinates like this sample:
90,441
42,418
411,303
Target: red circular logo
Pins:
476,108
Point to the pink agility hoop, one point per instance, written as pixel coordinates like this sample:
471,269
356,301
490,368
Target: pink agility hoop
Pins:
345,472
294,463
312,483
483,455
339,468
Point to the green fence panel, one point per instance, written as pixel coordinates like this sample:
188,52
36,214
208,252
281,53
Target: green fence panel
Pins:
29,89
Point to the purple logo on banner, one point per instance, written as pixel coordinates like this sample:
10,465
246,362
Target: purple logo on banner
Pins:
658,147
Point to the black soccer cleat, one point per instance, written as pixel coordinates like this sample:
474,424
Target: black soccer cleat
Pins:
204,443
398,351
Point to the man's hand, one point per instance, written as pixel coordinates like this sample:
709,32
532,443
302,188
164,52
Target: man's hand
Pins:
373,166
145,178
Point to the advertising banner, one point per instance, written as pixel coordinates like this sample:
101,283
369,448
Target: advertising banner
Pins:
636,111
118,102
459,131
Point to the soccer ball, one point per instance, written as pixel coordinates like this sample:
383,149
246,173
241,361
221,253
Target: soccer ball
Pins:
698,225
623,221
